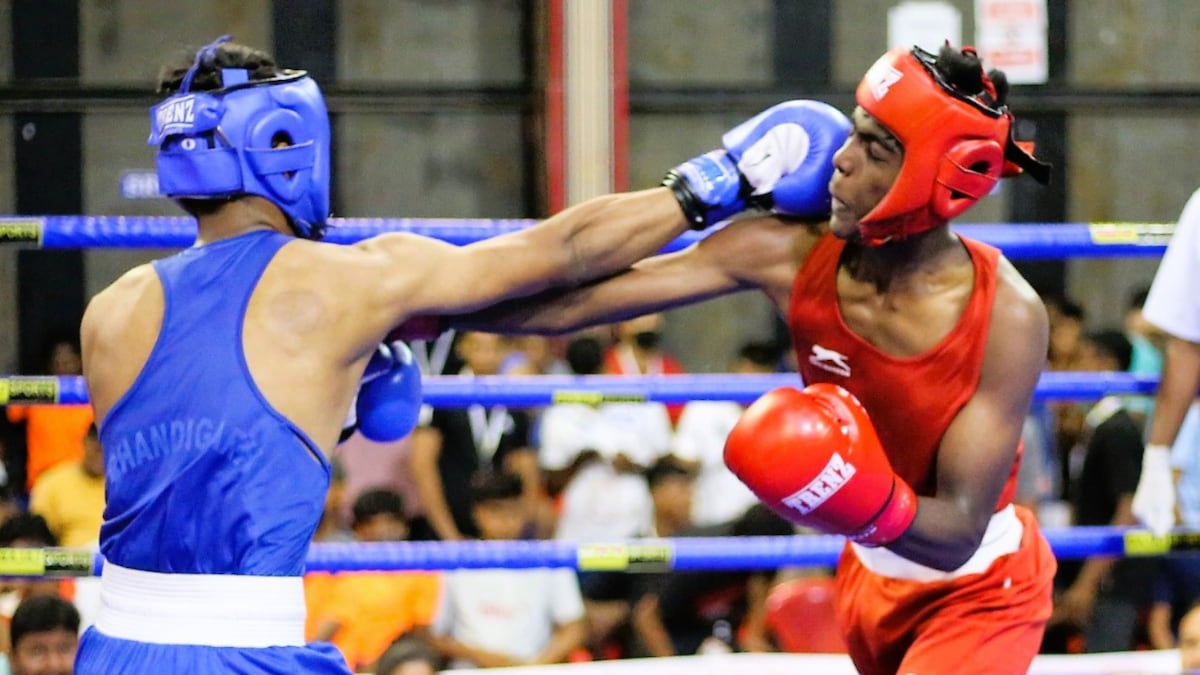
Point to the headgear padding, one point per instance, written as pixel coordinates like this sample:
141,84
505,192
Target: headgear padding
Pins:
955,144
268,138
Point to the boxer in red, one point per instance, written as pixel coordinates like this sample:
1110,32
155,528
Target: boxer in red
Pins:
921,350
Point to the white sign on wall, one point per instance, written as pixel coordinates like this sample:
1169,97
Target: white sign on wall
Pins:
927,24
139,184
1011,36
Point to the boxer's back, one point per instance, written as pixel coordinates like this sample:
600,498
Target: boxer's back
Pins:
204,475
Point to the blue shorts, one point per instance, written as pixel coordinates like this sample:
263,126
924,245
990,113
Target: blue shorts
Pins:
100,654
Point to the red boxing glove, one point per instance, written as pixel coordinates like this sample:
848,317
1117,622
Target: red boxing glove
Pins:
813,457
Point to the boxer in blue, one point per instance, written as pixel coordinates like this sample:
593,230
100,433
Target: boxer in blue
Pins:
221,376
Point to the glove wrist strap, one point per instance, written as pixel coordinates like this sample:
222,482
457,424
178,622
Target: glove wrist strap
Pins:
894,518
693,209
709,188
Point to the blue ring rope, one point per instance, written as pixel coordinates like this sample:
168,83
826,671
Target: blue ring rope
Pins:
1018,241
640,555
532,391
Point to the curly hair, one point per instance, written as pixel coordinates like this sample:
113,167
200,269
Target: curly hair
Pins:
261,66
963,70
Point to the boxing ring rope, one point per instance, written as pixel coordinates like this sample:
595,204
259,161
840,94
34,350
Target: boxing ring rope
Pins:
1019,242
686,554
449,391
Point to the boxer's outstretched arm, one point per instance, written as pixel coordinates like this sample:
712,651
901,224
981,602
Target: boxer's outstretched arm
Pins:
406,275
978,450
747,254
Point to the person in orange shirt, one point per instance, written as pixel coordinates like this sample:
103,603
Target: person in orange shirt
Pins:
53,433
361,613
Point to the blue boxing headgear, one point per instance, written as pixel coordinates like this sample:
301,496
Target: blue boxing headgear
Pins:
221,143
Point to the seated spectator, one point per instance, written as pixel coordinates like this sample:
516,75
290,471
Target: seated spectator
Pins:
700,438
671,483
534,355
331,528
45,636
70,496
27,530
680,611
1176,589
1189,640
409,655
361,613
506,617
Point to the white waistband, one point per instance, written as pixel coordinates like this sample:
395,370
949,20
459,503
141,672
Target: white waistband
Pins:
1003,536
217,610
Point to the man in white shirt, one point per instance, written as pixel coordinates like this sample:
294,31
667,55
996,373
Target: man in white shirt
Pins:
498,617
700,439
1174,306
595,455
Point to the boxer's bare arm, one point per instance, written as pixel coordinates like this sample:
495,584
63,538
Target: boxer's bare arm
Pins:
977,452
759,253
398,275
117,333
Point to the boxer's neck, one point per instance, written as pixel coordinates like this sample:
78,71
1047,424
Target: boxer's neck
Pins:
240,216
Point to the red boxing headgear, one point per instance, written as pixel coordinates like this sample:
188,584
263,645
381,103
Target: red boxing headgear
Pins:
955,143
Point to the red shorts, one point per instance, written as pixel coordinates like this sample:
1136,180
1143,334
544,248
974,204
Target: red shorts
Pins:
992,620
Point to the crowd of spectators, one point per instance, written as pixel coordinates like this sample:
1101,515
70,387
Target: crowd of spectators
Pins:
613,471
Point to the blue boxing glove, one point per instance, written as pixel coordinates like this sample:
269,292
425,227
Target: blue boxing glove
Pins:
780,159
388,404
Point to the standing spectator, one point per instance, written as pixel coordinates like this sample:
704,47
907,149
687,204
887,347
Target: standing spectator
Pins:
700,439
1067,322
638,351
1172,307
363,612
586,454
53,433
577,455
70,496
45,637
502,617
1104,594
1146,338
1147,359
455,443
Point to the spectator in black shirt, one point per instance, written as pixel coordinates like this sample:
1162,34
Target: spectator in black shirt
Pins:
1103,594
456,443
